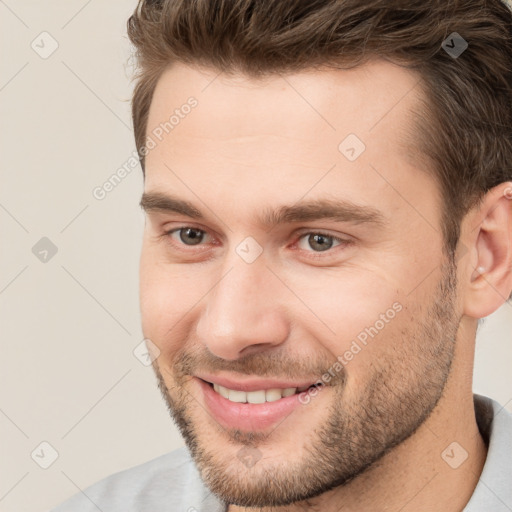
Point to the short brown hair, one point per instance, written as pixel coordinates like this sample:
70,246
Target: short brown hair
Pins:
464,129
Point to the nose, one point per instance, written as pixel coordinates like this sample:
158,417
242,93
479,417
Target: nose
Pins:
245,312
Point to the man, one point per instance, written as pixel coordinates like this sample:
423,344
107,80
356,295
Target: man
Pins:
328,215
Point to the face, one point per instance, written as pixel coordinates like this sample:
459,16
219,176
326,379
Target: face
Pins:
301,257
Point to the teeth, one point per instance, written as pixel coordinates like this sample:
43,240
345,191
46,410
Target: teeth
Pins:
254,397
237,396
271,395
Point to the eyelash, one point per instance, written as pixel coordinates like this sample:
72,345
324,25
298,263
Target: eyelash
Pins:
312,254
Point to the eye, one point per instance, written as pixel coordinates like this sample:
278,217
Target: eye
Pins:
320,242
312,242
187,235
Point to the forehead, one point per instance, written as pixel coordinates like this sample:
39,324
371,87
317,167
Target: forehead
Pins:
332,100
284,133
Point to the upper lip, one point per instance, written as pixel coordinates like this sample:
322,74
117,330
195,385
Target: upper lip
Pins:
252,383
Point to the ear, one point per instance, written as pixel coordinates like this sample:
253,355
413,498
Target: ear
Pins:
488,272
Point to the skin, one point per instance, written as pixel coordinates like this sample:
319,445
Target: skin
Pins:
372,439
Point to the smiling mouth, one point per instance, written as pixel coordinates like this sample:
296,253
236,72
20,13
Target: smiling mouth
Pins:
258,396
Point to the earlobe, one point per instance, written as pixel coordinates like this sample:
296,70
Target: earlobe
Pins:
479,271
490,282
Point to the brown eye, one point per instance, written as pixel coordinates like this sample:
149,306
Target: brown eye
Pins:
192,235
188,235
319,242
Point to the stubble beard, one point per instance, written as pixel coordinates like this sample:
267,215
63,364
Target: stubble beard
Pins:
404,387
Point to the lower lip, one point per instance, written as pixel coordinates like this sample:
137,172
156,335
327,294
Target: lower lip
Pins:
247,416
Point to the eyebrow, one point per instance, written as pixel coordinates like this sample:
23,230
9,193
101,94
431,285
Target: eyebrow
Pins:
316,209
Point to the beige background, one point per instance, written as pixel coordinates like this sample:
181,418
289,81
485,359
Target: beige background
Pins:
70,325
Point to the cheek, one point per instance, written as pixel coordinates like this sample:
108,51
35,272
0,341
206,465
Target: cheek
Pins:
172,299
347,300
166,298
363,313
